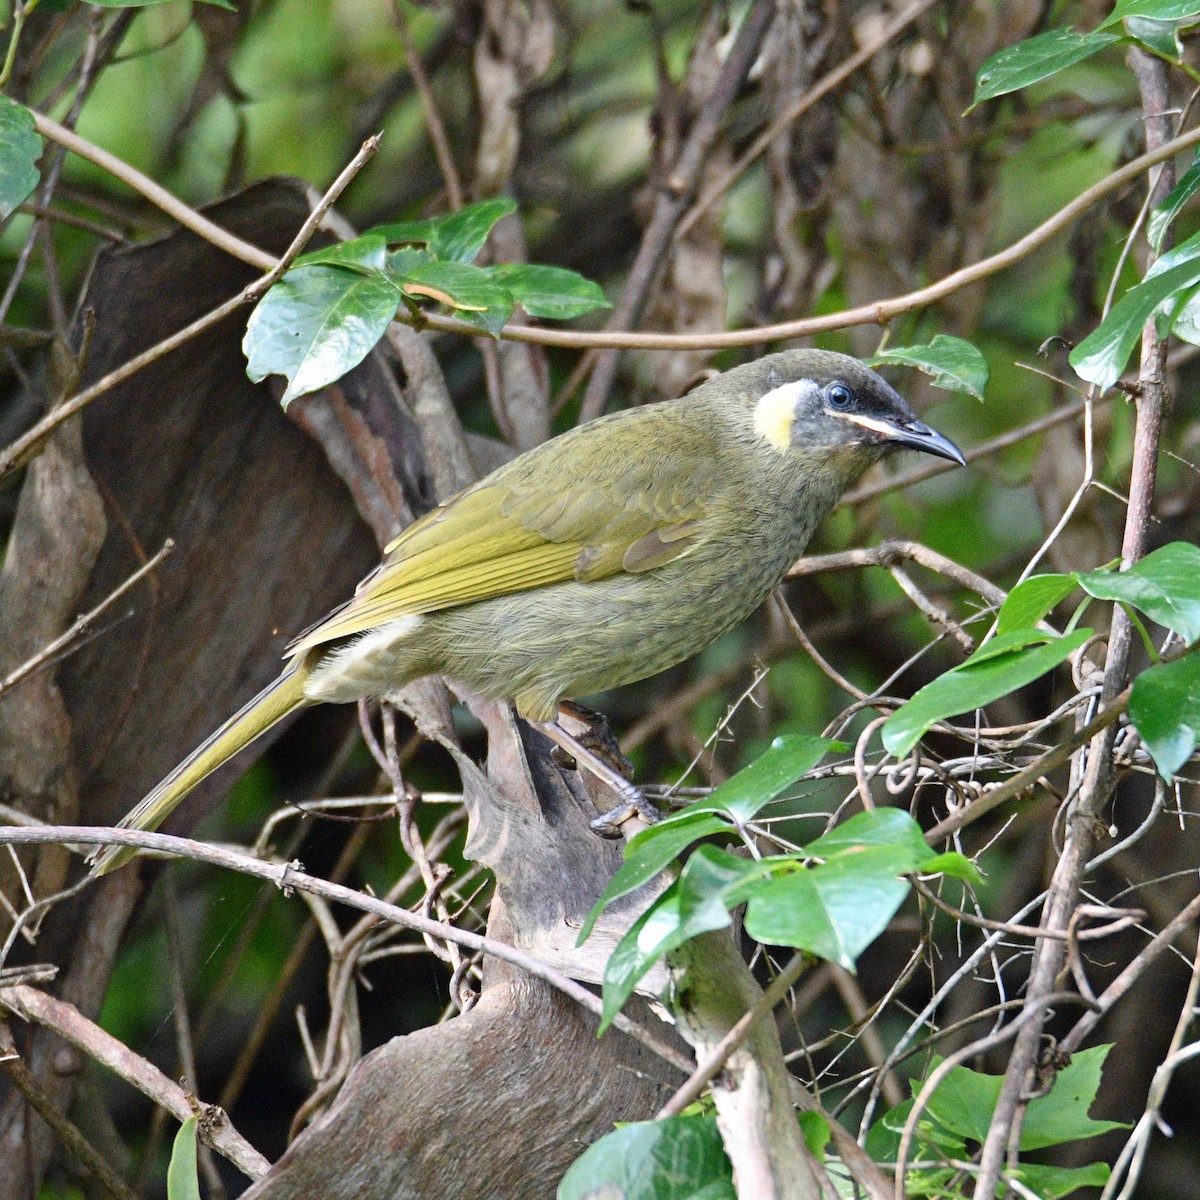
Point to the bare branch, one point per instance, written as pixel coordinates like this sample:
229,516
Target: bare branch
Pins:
69,1023
289,877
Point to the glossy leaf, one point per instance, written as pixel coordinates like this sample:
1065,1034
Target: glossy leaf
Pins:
1006,663
467,289
744,795
650,852
1163,214
183,1183
1157,10
737,800
1101,356
455,237
20,149
1186,323
1053,1183
954,364
698,902
831,911
1162,37
1034,59
680,1158
833,906
553,293
1165,585
965,1101
1164,707
1062,1116
837,907
366,253
879,827
400,262
316,324
1031,599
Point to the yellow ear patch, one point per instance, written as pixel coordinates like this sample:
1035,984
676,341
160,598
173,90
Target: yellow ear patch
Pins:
775,413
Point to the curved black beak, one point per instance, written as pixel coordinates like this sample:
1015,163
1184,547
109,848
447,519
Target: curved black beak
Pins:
915,435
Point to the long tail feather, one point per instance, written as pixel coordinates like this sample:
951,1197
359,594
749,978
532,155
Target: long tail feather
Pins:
269,707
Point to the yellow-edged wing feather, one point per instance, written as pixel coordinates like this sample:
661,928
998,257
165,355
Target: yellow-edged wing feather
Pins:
567,510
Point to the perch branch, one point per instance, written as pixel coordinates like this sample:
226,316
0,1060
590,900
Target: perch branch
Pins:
289,877
31,1004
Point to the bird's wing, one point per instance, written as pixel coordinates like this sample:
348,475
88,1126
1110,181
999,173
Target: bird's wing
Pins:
547,517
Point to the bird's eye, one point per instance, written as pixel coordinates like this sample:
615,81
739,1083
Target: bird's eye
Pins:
839,396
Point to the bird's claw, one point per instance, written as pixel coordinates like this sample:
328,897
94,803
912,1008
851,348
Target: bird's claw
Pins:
608,825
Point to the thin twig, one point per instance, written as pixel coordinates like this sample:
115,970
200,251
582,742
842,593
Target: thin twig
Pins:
30,443
888,554
1098,773
1130,974
1028,1016
69,1023
158,195
879,312
289,877
672,199
433,119
1029,776
81,625
67,1132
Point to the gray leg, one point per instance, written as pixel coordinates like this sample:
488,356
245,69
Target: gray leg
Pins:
633,803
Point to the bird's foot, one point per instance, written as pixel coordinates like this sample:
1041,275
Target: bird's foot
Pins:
595,734
633,804
609,824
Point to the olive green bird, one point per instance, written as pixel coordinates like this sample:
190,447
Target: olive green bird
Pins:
596,559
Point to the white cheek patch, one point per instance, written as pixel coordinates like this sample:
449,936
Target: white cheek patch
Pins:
872,423
775,413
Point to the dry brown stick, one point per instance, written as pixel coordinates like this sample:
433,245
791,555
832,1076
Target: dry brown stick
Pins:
48,213
1012,929
673,198
67,1132
1028,776
819,90
30,443
827,668
888,554
879,312
289,877
69,1023
1005,1129
253,1043
158,195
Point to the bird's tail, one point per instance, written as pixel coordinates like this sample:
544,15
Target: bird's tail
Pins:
269,707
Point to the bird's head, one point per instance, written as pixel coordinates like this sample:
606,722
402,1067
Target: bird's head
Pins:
830,410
